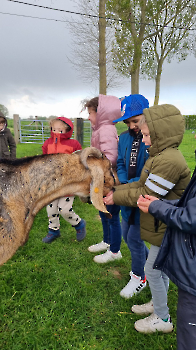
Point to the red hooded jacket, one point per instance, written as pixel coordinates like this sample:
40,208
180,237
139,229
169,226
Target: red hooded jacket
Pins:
61,143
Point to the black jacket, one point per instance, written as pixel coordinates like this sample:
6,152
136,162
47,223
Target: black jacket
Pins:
177,254
7,143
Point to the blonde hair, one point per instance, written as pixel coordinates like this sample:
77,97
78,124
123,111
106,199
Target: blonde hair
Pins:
66,126
142,121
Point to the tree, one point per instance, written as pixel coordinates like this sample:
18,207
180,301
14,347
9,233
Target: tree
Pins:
174,39
148,33
131,32
4,110
91,51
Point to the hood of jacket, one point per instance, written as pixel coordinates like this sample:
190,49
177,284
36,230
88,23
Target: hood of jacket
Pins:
2,116
166,126
109,108
66,135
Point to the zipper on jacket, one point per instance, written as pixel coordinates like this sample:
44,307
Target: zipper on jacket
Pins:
125,156
156,224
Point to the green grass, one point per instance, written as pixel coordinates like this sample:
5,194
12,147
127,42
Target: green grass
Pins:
188,147
28,149
53,296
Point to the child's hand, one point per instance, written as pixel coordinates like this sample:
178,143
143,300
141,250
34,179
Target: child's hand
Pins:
144,202
108,200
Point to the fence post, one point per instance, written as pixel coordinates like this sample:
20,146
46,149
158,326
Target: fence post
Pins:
75,128
78,130
16,128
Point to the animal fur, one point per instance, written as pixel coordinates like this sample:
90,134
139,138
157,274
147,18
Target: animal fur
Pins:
29,184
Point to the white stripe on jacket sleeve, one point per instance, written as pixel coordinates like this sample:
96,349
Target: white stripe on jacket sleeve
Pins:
160,181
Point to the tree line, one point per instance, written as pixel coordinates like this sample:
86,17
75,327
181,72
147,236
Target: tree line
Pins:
131,38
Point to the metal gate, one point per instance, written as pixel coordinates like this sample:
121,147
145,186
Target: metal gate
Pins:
37,131
33,131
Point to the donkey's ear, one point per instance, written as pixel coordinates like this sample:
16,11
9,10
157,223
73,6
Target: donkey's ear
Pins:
96,187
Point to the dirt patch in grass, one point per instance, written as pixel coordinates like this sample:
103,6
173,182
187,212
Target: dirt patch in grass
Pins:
116,273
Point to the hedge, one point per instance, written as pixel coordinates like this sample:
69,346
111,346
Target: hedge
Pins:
190,121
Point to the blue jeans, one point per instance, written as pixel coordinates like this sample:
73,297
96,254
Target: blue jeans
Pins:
111,228
137,247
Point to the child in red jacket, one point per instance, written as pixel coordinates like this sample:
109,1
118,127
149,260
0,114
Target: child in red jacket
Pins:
60,142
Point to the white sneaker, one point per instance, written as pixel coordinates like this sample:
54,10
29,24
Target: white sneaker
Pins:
152,324
144,309
134,286
98,247
107,256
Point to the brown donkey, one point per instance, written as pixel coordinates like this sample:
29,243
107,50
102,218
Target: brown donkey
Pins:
29,184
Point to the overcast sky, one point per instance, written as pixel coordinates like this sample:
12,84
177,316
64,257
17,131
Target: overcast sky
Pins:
37,78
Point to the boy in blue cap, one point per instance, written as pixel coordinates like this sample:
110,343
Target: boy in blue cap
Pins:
132,154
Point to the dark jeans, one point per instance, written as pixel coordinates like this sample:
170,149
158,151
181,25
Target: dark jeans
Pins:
186,321
137,247
111,228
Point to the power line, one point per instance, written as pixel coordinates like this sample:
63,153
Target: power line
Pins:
53,9
42,18
87,15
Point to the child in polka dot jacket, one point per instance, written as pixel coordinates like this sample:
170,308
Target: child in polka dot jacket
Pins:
60,142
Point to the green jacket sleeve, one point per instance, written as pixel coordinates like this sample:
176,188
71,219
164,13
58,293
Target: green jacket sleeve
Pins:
162,176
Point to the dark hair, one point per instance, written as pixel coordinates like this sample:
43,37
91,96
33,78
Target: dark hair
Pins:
2,120
93,103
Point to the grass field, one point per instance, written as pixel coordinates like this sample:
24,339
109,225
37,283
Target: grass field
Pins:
53,296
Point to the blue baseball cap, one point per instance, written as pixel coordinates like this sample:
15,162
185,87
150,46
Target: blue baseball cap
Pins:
131,106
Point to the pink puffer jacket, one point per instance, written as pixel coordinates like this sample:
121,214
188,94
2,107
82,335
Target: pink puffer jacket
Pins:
104,135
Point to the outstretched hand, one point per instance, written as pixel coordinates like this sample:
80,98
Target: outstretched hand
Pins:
108,200
144,202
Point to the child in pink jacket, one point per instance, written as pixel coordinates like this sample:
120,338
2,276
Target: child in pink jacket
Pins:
102,111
